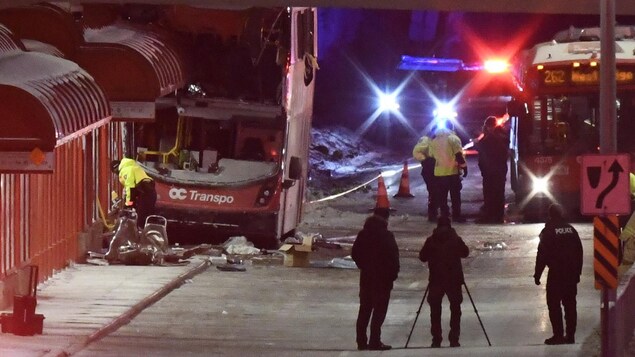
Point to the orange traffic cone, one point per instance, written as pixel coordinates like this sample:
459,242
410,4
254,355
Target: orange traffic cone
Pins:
404,184
382,194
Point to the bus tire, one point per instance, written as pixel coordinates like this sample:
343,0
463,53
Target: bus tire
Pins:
265,241
513,175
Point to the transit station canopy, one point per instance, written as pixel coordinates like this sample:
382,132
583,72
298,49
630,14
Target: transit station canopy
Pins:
129,63
46,100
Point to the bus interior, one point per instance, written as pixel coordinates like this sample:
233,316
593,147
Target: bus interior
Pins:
211,150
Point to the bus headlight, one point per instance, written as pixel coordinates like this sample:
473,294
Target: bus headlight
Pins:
540,185
266,193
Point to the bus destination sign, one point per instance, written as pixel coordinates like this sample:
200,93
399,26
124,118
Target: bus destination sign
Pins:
563,77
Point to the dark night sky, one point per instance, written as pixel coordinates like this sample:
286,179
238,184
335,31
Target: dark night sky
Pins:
354,40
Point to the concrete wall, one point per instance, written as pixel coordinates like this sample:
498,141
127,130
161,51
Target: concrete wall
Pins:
624,313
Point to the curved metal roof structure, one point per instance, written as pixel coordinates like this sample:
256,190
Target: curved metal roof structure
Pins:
47,100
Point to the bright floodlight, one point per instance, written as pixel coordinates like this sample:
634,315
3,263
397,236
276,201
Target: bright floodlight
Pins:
496,66
388,102
444,111
540,185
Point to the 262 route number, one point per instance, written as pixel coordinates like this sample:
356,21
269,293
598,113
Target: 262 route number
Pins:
554,77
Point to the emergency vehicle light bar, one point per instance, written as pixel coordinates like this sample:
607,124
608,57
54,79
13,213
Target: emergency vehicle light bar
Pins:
435,64
431,64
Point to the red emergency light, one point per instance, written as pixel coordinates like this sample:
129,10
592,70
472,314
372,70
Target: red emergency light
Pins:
496,66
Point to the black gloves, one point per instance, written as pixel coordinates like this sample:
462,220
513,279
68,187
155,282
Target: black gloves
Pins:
459,158
536,280
461,161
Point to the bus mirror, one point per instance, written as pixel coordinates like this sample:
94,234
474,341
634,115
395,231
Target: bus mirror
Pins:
295,168
287,184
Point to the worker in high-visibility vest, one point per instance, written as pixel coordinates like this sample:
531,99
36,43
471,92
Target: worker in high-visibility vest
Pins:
447,151
138,187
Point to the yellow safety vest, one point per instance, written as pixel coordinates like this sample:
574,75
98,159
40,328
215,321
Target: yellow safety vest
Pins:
443,149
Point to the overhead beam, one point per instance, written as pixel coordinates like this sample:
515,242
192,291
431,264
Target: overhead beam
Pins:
575,7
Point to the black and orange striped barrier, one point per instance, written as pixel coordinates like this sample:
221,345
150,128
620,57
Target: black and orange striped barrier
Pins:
606,232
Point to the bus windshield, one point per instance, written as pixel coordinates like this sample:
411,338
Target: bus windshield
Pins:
202,150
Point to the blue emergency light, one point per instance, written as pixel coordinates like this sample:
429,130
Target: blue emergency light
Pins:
413,63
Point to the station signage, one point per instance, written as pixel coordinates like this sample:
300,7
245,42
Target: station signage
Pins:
133,111
34,161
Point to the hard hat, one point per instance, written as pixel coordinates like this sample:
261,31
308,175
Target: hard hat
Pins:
114,166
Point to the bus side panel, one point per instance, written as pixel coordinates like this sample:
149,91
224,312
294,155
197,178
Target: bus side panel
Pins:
299,106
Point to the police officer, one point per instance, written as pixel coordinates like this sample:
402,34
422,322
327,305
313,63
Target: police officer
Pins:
421,153
447,151
560,249
443,251
492,161
376,254
138,188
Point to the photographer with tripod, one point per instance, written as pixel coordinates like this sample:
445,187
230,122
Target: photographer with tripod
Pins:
443,252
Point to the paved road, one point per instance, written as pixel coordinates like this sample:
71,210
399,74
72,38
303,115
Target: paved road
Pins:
273,310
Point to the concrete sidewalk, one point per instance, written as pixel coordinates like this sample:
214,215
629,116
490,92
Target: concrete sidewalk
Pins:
83,303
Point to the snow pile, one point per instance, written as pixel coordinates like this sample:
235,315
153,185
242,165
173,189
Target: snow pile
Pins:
340,159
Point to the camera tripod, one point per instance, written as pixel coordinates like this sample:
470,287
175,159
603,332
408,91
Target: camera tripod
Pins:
471,300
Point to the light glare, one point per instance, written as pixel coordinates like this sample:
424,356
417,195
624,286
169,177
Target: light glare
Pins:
540,185
388,102
496,66
445,111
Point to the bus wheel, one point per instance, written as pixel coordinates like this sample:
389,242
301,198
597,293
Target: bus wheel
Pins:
290,233
265,241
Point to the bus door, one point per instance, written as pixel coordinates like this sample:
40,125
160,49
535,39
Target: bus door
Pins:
556,132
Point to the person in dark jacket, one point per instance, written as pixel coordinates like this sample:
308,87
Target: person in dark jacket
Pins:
492,161
376,254
443,251
560,249
421,153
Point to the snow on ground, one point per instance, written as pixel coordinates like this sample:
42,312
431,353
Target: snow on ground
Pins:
339,159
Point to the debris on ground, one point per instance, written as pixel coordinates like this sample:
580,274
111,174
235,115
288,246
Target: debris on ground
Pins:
231,267
240,245
301,237
343,263
218,260
489,246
